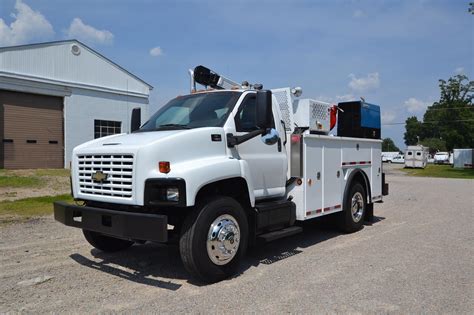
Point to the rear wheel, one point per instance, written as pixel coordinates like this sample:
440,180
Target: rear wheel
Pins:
352,217
214,239
106,243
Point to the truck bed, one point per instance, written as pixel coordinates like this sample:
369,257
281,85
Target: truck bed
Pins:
327,164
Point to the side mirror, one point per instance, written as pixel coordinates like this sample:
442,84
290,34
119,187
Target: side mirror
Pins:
135,121
264,109
271,137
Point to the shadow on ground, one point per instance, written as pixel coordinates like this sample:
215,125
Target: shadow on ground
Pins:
146,263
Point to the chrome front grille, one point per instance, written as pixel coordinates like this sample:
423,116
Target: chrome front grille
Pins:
117,168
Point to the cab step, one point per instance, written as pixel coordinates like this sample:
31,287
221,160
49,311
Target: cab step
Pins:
274,235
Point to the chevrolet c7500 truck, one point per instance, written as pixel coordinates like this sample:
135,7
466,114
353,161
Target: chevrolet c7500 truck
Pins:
221,168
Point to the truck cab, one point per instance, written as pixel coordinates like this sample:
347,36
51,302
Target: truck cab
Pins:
216,170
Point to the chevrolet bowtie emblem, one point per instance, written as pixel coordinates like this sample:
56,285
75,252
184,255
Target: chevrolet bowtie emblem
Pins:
99,176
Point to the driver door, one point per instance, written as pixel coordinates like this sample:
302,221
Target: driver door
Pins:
267,163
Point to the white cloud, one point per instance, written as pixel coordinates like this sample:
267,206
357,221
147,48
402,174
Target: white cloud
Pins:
459,70
346,97
28,25
358,13
79,30
414,105
371,82
156,51
388,117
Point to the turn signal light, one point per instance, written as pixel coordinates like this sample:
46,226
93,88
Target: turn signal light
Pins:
164,167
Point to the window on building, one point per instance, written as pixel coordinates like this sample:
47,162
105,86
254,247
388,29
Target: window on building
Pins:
104,128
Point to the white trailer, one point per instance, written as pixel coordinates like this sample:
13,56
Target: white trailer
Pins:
224,168
416,156
463,158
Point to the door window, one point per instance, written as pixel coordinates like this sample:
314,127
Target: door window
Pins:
246,118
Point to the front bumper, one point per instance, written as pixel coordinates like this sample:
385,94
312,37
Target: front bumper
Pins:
121,224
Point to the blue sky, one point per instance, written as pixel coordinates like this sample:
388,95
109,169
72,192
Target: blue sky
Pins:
390,52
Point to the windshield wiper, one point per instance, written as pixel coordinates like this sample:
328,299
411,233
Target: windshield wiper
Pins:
172,126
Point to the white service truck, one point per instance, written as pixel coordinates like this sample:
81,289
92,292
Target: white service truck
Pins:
218,170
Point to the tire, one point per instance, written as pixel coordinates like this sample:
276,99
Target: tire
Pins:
351,219
106,243
202,228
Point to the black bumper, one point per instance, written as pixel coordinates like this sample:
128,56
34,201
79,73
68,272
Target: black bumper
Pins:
121,224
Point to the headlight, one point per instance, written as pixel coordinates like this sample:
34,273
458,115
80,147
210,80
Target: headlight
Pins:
172,194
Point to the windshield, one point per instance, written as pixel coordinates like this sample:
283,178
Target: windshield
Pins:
193,111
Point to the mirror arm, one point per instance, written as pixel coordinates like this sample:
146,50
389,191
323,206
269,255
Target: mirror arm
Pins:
232,140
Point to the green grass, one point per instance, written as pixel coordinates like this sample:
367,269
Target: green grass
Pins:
29,178
25,209
53,172
445,171
20,181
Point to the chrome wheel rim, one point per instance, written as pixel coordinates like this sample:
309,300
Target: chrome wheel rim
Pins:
223,239
357,206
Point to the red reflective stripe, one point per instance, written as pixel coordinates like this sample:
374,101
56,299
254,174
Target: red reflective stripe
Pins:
355,163
323,209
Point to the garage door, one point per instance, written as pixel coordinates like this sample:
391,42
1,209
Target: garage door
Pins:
31,131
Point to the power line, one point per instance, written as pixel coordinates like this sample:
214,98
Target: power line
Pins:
430,122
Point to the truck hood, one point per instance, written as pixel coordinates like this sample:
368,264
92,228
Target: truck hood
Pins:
166,142
130,140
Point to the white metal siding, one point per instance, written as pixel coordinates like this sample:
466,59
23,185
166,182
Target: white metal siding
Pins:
56,62
84,106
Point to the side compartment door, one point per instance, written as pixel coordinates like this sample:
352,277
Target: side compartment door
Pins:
313,177
267,163
332,176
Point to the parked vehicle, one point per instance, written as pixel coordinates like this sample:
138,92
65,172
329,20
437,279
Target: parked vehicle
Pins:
463,158
220,169
441,158
399,159
388,156
416,156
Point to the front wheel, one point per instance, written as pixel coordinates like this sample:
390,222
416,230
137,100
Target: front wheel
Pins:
351,218
214,239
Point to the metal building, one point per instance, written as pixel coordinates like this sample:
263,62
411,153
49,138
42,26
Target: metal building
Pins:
56,95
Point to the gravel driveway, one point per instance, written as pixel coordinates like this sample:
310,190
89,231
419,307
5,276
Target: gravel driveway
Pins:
418,258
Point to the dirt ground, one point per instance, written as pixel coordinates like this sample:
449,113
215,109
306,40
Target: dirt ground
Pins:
417,258
52,185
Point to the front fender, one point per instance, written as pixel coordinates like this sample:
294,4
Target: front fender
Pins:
198,173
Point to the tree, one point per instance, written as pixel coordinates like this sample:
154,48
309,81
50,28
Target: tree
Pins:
389,146
434,144
413,130
450,120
